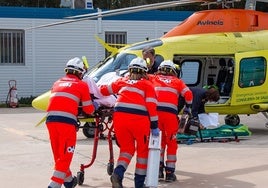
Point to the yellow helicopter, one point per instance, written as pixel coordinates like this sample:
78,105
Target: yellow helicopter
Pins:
227,48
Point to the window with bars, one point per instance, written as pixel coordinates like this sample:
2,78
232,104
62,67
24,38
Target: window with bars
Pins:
115,39
12,47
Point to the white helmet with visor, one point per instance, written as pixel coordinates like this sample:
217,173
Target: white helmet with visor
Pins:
138,63
167,65
76,65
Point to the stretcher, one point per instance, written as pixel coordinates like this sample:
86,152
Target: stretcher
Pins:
223,133
100,123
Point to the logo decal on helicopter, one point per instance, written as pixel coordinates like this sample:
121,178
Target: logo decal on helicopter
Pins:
210,22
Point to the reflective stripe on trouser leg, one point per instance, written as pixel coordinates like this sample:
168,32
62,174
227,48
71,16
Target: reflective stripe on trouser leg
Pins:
57,179
68,176
171,161
168,123
63,140
141,166
172,152
124,159
132,132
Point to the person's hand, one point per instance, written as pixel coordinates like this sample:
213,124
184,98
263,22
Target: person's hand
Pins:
96,105
155,132
187,110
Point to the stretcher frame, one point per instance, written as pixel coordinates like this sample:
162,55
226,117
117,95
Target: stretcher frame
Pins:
103,123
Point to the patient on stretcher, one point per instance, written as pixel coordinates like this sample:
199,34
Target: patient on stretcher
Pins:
105,101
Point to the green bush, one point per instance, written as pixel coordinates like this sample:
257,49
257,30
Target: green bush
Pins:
26,100
23,102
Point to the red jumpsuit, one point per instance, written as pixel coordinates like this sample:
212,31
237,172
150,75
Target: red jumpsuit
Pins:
168,89
134,114
66,94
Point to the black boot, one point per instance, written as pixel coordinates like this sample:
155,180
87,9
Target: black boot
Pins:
116,181
71,184
139,180
170,176
161,172
118,176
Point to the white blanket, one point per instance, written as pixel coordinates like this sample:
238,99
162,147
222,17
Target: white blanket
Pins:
102,100
209,119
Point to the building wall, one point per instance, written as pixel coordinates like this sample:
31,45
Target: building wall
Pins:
48,49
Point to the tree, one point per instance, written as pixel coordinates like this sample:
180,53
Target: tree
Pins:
31,3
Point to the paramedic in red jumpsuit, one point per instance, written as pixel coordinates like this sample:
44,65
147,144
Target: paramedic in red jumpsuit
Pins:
168,89
134,116
66,94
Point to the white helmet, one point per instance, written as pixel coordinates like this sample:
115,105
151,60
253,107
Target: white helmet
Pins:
169,65
75,64
138,63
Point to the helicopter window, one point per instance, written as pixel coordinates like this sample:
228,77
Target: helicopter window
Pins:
252,72
125,62
118,62
190,72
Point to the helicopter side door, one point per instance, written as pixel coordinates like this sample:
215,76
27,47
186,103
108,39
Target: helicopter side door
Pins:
250,78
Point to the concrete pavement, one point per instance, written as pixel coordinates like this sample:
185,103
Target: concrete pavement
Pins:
26,160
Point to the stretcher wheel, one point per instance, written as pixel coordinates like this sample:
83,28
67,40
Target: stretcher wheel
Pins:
232,120
80,177
110,168
89,129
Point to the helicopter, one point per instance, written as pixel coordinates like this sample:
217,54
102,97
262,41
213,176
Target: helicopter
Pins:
226,48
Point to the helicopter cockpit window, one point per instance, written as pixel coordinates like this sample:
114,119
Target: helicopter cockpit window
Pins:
118,63
252,72
190,72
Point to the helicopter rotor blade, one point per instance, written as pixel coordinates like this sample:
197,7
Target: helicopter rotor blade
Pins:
119,11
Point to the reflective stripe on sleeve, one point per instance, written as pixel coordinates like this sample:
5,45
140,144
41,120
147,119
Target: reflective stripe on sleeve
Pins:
87,103
184,91
153,118
151,99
